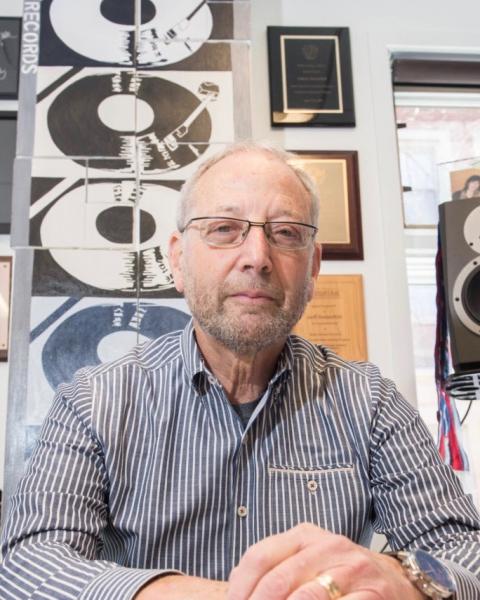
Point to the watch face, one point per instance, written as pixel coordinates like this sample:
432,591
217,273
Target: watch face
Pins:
434,569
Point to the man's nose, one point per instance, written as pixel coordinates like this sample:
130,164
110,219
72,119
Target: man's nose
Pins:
256,250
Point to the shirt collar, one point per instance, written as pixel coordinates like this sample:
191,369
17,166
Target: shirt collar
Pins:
192,358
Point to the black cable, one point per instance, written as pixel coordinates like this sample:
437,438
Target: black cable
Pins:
466,413
384,548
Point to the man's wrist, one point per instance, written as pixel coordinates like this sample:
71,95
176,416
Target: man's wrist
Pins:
175,587
396,564
427,573
150,588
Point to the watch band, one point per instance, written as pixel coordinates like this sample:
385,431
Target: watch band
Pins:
421,580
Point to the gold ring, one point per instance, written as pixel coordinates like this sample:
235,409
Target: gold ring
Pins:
328,584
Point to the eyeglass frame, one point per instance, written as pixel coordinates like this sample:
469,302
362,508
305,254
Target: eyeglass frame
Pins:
250,225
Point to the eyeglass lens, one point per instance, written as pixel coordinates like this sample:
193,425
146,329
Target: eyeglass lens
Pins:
232,232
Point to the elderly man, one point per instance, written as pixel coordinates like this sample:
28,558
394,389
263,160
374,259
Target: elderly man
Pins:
231,459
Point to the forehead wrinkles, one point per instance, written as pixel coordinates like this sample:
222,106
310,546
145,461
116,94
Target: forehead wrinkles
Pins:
257,176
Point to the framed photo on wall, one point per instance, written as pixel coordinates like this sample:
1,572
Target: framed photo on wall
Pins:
336,176
310,76
5,294
465,183
10,35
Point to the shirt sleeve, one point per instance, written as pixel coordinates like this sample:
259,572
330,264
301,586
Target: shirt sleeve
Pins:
418,500
51,542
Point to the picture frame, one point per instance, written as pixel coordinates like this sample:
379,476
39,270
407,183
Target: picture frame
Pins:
8,136
10,37
465,183
5,297
336,175
310,76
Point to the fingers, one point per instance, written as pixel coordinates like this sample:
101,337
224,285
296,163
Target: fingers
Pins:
328,583
262,558
361,595
318,589
290,575
309,563
278,565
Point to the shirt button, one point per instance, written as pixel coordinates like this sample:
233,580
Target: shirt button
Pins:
242,511
312,485
212,380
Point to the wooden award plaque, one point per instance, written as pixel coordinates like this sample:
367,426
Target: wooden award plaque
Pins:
335,317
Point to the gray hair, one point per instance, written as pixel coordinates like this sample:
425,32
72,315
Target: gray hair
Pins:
287,158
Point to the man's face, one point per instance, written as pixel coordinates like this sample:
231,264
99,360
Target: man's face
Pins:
473,187
248,297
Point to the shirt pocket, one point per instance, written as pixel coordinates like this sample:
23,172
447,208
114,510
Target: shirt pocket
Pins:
329,495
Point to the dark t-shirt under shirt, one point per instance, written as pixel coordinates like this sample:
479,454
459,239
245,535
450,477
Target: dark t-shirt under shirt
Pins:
245,411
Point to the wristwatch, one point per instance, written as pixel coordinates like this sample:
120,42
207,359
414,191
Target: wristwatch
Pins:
427,573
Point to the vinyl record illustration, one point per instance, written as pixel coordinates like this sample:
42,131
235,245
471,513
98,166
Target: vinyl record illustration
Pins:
105,30
95,116
127,229
104,332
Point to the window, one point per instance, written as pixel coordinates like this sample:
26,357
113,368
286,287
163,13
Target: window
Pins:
439,147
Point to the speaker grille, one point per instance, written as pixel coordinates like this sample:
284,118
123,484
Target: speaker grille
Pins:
471,295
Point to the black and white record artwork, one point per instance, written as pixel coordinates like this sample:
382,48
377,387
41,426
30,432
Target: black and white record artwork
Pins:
170,118
121,101
102,213
108,239
146,33
68,334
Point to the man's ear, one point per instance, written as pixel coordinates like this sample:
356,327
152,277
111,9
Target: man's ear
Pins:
175,254
316,262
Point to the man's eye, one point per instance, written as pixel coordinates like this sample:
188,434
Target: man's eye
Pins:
222,228
287,232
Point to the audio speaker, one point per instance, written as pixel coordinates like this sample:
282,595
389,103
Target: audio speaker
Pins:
460,243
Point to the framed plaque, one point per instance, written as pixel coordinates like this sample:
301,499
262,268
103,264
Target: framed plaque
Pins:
10,34
8,137
335,317
336,176
310,76
5,293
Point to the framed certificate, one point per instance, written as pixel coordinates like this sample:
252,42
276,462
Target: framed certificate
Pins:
8,137
10,34
310,76
335,317
336,176
5,293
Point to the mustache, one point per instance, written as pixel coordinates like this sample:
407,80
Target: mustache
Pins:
253,283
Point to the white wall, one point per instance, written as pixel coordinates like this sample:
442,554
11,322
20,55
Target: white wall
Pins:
11,8
386,297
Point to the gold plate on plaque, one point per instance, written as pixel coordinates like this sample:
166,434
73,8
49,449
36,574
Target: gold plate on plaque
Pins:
335,317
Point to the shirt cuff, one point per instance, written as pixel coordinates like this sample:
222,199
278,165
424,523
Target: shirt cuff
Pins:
122,583
468,585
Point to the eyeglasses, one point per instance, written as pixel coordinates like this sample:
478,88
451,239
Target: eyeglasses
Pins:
226,232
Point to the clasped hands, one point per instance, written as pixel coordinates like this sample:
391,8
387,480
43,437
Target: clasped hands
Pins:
310,563
303,563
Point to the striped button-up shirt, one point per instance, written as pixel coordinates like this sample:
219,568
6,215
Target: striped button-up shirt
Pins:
142,466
